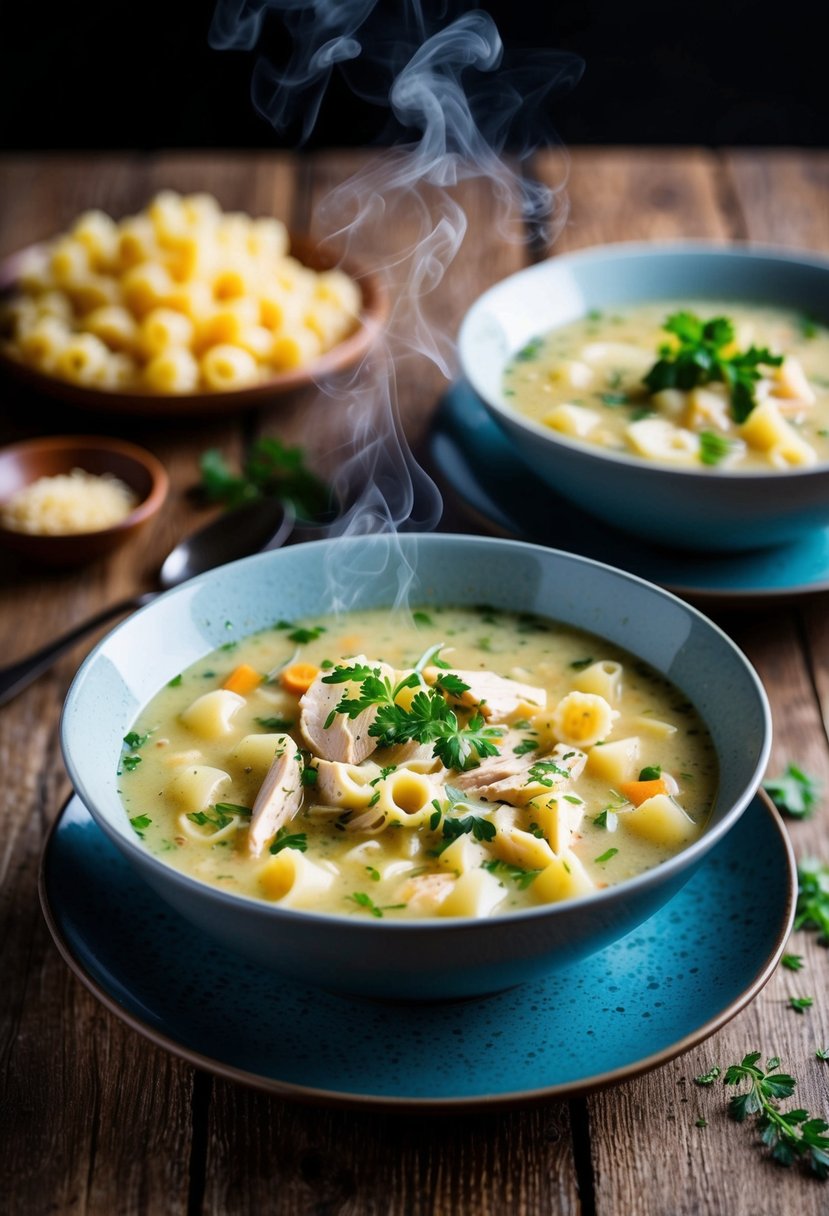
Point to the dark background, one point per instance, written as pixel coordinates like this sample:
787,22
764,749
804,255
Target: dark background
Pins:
111,74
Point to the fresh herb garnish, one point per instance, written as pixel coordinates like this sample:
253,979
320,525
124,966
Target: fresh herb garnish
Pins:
813,898
708,1078
525,746
429,719
700,356
373,874
174,683
713,447
530,351
365,901
613,400
133,740
792,962
543,772
285,839
801,1003
794,793
271,469
607,819
139,822
791,1135
422,618
130,763
652,772
822,1053
303,636
606,856
274,723
205,820
522,878
233,808
580,664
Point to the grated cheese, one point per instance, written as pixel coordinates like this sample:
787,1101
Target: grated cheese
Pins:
68,503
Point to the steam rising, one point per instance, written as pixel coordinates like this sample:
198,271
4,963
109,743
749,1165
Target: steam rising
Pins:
454,102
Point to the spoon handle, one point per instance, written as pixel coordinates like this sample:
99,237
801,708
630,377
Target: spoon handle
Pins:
17,676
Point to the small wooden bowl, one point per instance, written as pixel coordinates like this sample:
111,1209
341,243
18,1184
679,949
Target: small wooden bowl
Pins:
23,463
346,353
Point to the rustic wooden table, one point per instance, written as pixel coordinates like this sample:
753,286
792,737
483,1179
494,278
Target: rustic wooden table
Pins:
95,1119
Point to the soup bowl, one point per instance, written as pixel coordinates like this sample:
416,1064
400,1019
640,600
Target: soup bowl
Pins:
705,508
436,958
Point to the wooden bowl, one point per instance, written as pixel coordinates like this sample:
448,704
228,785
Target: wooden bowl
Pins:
344,354
23,463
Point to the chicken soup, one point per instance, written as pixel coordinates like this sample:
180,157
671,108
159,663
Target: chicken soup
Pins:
451,762
738,387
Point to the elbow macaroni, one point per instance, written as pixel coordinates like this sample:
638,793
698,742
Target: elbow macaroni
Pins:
198,299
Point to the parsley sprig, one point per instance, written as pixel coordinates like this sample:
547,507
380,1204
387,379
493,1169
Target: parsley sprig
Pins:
813,898
792,1135
428,719
700,356
794,792
270,469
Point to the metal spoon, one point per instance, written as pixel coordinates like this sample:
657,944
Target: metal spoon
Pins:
252,528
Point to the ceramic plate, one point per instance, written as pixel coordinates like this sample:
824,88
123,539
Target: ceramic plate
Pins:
477,461
654,994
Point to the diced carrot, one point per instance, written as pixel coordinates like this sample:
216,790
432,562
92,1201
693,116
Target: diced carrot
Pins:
638,791
243,679
299,677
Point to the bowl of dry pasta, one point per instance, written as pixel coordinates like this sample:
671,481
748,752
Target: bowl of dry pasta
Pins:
423,801
182,308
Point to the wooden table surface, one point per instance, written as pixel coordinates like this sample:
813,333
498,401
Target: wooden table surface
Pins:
93,1118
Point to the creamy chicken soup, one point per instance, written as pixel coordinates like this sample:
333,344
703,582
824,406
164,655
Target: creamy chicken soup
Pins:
703,385
455,762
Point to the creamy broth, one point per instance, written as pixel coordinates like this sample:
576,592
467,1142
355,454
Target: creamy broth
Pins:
585,380
599,768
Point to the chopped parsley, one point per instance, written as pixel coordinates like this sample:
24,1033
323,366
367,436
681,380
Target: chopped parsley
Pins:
792,962
708,1078
130,763
133,740
713,447
285,839
176,680
274,723
580,664
270,470
422,618
522,878
303,636
801,1003
139,822
610,853
531,350
362,900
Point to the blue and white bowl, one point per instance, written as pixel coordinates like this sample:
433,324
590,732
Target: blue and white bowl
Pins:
695,509
432,959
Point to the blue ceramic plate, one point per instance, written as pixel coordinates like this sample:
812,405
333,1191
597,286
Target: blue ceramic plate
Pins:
657,992
476,460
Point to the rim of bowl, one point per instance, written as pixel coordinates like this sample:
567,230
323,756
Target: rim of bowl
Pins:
149,504
653,877
622,251
374,310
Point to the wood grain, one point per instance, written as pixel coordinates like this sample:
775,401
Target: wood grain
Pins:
95,1120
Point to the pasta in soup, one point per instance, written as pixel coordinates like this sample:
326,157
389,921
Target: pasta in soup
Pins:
458,762
739,387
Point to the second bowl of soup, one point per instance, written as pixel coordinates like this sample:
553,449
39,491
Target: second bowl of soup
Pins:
424,801
680,392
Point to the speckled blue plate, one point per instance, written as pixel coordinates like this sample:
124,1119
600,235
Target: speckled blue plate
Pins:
477,461
655,993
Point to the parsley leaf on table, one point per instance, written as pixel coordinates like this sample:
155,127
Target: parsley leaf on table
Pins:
813,898
791,1135
270,469
794,793
700,355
